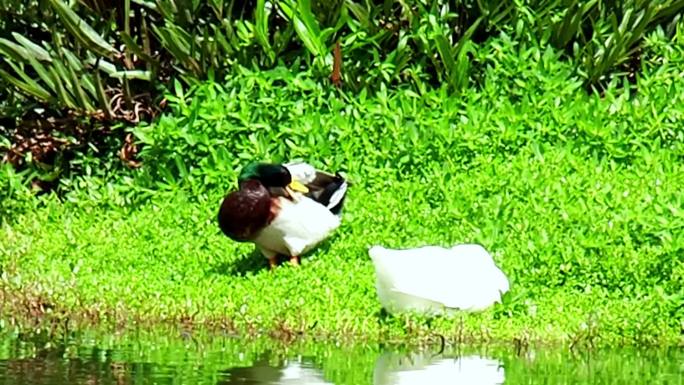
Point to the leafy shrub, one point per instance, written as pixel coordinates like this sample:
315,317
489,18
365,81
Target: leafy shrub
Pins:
528,97
70,56
605,35
90,65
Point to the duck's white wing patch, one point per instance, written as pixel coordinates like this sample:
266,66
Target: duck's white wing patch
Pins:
301,171
338,195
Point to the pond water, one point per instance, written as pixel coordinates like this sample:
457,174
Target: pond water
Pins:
226,362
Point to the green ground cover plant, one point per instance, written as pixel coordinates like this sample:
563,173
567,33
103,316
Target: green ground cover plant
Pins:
577,195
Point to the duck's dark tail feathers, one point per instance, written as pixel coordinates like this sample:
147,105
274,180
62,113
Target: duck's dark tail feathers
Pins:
329,190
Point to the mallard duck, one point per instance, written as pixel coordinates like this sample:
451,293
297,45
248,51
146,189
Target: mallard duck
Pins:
283,209
434,280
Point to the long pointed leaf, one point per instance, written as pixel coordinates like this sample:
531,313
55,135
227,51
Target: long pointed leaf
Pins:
111,70
261,28
27,88
81,30
34,49
135,48
42,72
27,79
102,95
62,95
67,92
361,14
306,28
13,50
71,59
78,90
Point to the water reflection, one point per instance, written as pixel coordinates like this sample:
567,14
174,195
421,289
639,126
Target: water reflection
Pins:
233,362
407,369
44,370
263,372
390,368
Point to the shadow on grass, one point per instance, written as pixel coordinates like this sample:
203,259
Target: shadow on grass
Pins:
252,263
255,262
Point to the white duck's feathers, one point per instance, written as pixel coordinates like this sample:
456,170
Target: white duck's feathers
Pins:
300,225
434,279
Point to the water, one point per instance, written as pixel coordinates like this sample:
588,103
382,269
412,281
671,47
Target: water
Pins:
228,362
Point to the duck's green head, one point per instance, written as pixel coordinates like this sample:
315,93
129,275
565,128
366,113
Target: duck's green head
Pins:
271,175
245,212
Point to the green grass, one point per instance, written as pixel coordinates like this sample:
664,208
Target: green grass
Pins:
578,198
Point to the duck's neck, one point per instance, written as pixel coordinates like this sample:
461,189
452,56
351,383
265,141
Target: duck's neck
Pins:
276,206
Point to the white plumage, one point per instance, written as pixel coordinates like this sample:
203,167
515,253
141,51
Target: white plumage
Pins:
299,226
299,373
421,369
301,171
437,280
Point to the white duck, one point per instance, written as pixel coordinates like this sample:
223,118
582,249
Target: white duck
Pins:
436,280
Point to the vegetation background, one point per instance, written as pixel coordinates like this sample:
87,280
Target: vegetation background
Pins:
548,131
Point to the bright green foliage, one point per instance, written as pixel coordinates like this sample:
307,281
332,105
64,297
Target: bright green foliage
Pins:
278,115
14,196
94,64
578,197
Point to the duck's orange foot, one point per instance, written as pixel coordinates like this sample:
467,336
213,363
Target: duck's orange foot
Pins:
272,261
294,260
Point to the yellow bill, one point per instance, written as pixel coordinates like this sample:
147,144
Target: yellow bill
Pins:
298,186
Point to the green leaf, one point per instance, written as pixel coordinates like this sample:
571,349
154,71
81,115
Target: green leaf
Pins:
81,30
34,49
64,86
305,25
42,72
261,29
102,96
30,89
135,48
361,14
28,79
111,70
177,41
71,59
127,17
77,90
13,50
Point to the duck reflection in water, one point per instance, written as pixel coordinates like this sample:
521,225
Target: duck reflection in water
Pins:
390,369
293,371
419,369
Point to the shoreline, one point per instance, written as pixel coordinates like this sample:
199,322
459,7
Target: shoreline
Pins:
31,317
